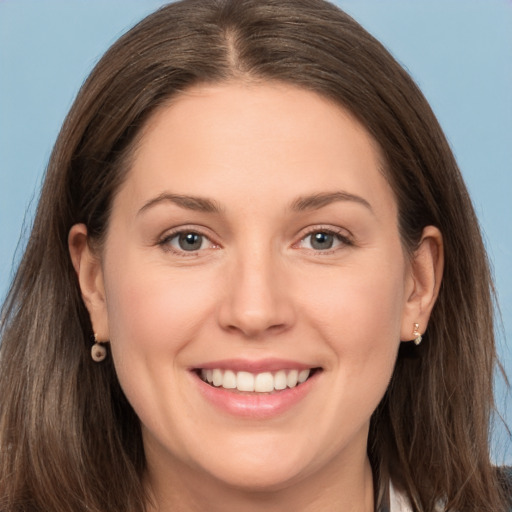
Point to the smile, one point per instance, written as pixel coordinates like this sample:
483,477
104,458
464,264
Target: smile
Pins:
255,389
265,382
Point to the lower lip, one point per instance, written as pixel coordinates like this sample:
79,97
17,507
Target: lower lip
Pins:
255,405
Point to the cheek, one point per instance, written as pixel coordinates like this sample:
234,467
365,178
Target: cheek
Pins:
153,316
153,310
361,306
359,318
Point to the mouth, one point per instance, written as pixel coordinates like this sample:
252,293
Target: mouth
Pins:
256,389
248,382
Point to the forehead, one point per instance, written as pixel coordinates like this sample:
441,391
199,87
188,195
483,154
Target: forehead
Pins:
259,137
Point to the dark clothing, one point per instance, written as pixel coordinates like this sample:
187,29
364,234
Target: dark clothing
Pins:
505,476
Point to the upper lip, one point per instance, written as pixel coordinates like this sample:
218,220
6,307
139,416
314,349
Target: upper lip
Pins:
254,366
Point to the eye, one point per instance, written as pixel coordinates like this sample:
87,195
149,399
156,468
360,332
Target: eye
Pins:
186,241
189,241
323,240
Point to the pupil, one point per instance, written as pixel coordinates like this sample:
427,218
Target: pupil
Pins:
190,241
322,241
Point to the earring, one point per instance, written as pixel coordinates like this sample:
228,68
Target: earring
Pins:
416,334
98,351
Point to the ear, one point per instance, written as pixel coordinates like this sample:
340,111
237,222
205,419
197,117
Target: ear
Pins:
423,282
88,269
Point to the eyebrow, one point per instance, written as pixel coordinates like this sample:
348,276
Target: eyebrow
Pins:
317,201
303,203
198,204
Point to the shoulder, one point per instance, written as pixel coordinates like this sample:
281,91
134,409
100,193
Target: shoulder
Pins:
398,502
505,476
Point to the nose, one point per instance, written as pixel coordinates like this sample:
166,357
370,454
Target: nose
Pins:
257,299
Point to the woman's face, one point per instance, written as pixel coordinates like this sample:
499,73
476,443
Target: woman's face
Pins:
254,243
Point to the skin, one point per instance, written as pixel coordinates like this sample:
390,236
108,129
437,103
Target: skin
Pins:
256,288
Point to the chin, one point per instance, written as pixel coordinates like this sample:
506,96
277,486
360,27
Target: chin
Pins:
258,468
258,478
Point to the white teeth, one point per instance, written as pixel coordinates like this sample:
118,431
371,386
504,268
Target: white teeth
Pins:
217,377
291,379
303,376
229,381
280,380
264,382
244,381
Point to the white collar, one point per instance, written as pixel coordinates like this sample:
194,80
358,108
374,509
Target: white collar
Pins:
398,502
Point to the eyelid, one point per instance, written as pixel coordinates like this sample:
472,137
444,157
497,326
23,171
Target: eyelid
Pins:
343,235
164,239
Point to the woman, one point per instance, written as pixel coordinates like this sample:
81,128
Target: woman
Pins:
249,220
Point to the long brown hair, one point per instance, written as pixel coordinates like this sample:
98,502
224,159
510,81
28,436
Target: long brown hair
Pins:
69,440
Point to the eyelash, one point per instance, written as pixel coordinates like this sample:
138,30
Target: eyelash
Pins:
164,242
337,234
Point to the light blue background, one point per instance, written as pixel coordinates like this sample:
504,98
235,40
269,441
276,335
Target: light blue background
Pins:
459,51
